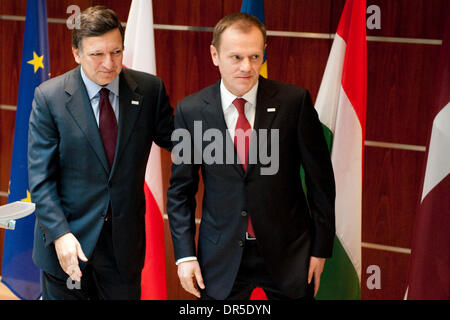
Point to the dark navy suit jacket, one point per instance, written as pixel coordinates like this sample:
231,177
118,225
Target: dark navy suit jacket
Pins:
69,176
289,229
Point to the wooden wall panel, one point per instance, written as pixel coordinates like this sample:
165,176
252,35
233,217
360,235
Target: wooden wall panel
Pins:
204,13
300,16
13,7
302,63
410,18
392,179
60,47
121,7
393,274
11,39
183,61
7,120
400,91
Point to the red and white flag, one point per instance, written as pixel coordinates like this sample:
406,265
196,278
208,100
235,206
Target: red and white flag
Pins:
429,271
139,54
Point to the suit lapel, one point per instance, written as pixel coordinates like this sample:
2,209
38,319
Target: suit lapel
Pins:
266,111
130,105
79,107
214,118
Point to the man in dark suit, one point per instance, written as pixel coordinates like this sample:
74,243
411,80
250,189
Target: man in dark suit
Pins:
91,130
257,228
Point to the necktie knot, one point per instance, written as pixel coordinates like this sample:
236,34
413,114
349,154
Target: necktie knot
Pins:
239,103
104,93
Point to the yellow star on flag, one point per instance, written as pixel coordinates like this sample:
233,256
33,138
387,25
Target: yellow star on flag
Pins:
36,62
28,198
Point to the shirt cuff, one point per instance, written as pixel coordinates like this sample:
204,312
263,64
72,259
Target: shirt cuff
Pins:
186,259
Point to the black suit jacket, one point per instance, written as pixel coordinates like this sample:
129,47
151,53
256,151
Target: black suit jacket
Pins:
289,229
69,176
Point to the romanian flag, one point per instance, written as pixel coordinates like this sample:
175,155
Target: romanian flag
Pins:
256,8
341,105
429,271
19,273
139,54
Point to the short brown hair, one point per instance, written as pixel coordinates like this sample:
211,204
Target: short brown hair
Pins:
242,21
94,22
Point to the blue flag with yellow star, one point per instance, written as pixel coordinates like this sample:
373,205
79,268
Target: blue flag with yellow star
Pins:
19,273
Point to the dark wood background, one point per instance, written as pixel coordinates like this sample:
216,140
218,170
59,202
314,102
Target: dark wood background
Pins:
400,92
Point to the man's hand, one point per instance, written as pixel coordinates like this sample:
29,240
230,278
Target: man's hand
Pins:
69,251
315,269
191,277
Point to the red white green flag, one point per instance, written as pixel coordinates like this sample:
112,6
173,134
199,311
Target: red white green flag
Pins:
341,105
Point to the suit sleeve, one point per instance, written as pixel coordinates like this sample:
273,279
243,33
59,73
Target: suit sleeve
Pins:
43,141
181,201
319,178
163,123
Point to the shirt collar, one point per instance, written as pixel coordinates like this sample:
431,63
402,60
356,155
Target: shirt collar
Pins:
228,98
93,88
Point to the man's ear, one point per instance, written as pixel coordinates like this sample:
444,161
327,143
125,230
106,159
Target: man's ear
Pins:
214,55
76,54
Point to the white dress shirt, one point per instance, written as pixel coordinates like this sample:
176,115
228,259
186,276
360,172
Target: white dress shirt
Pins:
231,115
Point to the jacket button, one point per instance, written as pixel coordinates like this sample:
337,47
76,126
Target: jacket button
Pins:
241,243
244,213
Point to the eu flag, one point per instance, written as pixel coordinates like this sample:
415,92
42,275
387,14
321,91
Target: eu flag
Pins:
18,271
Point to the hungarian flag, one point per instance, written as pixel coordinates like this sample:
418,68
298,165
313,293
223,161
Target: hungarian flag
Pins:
429,271
256,8
18,270
341,105
139,54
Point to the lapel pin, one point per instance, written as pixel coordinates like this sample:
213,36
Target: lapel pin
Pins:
271,109
135,102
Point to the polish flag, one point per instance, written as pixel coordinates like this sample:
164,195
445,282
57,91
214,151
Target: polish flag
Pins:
139,55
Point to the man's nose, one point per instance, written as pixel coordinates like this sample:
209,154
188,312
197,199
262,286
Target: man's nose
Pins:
108,62
245,65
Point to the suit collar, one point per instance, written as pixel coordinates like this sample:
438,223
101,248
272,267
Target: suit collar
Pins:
213,114
266,111
130,106
79,106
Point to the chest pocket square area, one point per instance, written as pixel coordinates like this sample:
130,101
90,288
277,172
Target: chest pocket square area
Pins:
135,102
271,109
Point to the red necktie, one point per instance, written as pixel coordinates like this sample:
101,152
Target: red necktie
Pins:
242,143
107,126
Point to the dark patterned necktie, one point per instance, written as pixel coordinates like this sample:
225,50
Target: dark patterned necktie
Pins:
107,126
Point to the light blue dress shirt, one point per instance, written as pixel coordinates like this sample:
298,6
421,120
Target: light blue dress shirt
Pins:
93,91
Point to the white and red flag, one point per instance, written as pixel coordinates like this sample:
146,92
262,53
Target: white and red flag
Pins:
139,54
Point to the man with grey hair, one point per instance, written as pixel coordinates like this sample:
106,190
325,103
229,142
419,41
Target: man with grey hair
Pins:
91,130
